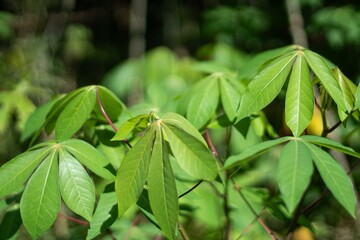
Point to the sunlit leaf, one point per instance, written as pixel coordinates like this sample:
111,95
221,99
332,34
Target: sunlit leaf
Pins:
75,114
265,86
162,188
40,202
89,156
299,103
16,171
133,171
127,127
261,60
334,177
252,152
76,186
230,98
326,77
182,123
203,104
192,155
294,172
328,143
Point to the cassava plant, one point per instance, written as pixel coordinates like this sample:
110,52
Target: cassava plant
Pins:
101,160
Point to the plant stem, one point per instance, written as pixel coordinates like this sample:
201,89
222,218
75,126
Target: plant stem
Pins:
107,117
74,220
191,189
183,232
263,224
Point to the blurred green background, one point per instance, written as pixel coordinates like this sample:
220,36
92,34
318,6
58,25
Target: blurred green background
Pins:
149,52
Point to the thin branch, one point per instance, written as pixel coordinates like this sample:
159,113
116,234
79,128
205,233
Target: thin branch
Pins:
191,189
183,232
74,219
263,224
107,117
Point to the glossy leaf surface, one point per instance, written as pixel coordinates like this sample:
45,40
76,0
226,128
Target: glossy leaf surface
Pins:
265,86
299,103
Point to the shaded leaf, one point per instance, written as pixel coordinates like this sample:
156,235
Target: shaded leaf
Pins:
111,104
203,104
265,86
40,202
36,120
294,172
322,70
75,114
328,143
104,215
15,172
299,103
132,173
193,156
334,177
253,152
89,156
162,188
10,223
76,186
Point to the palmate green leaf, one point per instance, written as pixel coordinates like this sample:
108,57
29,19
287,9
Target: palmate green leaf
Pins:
127,127
263,89
15,172
132,173
334,177
299,103
162,187
182,123
89,156
328,143
230,98
192,155
40,202
104,215
203,104
76,186
252,152
326,77
294,172
75,114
